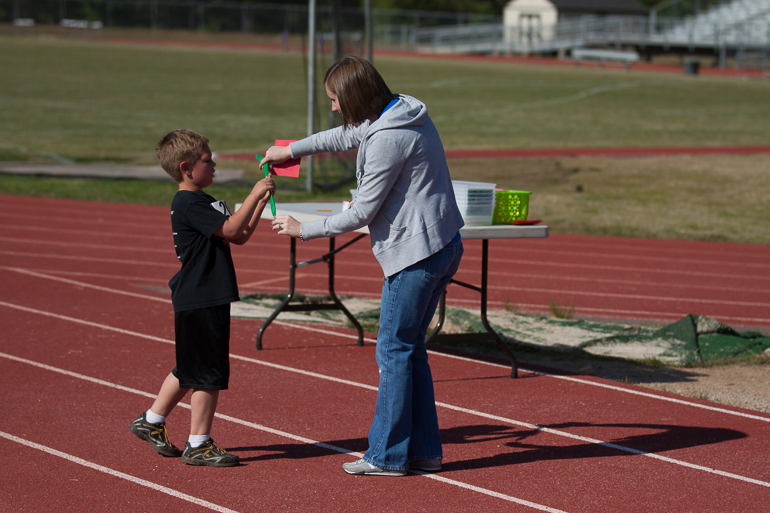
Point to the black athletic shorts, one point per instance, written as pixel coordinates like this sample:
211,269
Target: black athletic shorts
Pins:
203,348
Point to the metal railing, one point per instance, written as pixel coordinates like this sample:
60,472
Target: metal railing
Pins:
431,31
215,16
607,31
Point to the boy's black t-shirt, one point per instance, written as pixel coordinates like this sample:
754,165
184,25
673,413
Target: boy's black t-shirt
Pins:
207,277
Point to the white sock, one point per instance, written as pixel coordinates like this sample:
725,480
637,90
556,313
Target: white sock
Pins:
154,418
197,440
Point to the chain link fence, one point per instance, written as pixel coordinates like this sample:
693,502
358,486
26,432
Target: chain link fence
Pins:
223,16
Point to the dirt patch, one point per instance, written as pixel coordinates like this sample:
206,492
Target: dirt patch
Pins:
744,385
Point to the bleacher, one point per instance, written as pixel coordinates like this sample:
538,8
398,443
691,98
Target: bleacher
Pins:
739,22
735,27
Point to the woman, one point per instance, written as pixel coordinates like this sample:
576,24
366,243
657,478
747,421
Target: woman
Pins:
405,197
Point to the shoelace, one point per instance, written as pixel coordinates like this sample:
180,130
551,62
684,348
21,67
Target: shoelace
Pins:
216,448
163,434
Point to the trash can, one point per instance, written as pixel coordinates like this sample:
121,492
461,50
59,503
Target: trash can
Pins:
691,66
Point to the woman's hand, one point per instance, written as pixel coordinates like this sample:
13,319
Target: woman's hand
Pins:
286,225
276,155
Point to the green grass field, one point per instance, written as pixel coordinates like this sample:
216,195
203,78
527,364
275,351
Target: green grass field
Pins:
87,100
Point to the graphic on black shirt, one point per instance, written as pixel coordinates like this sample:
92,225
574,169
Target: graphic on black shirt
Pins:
221,206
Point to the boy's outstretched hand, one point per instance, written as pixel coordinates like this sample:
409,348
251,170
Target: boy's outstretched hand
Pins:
264,186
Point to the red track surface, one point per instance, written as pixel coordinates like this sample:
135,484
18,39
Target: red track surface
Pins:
87,338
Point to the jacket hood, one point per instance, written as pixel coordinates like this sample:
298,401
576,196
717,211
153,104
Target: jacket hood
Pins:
408,111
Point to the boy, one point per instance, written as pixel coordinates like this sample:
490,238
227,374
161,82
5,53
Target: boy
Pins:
201,293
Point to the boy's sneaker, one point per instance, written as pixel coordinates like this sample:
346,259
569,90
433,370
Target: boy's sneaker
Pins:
208,454
426,465
156,435
362,468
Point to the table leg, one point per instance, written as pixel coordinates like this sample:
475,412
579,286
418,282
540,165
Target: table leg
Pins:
333,295
489,334
336,304
289,296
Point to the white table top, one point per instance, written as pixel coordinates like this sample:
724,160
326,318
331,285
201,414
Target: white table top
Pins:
304,212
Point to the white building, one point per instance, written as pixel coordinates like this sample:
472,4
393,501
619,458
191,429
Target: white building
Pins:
529,22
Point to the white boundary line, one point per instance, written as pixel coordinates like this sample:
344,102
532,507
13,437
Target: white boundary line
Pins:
602,312
82,258
84,285
242,422
116,473
546,374
564,246
644,297
369,387
345,335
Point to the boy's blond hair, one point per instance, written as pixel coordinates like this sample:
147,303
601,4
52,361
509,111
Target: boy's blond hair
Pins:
177,147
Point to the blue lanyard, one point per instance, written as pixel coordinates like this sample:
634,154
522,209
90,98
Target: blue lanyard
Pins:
392,103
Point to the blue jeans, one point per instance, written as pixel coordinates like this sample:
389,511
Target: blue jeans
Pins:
405,425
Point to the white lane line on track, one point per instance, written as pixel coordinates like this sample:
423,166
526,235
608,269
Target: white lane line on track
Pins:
85,285
556,432
492,287
642,297
524,258
656,251
121,235
108,247
563,246
754,277
648,258
69,244
632,283
545,374
242,422
595,312
345,335
637,296
57,256
520,261
116,473
652,270
81,258
54,273
111,277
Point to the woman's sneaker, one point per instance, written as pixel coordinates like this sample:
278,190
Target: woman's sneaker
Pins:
208,454
156,436
362,468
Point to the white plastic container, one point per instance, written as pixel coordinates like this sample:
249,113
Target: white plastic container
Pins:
476,201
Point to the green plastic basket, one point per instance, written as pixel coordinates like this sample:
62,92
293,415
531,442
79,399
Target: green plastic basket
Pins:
510,206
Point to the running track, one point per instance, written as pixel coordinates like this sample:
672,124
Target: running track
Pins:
88,336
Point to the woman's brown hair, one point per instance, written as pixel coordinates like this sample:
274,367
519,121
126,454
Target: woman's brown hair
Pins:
361,91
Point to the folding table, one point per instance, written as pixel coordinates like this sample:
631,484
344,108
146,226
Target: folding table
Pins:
304,212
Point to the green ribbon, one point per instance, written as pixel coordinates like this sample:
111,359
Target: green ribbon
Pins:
264,168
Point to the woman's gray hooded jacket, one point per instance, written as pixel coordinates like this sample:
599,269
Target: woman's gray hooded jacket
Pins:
405,193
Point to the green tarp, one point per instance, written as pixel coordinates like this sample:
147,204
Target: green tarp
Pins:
693,339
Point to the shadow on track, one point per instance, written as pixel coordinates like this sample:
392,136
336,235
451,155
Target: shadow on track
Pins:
655,438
